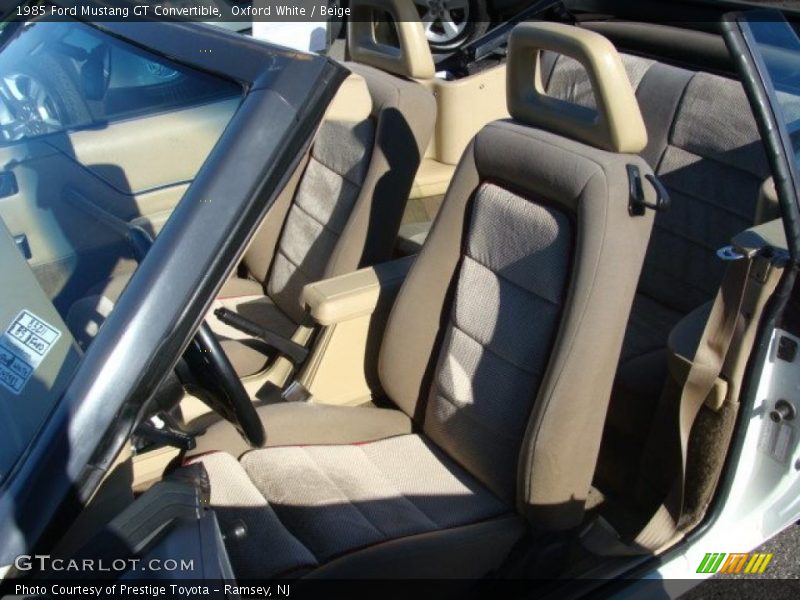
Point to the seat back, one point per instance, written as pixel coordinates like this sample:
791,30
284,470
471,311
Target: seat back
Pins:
504,339
342,208
705,147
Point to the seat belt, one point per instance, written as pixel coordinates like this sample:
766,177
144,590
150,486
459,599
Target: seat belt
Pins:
706,367
712,350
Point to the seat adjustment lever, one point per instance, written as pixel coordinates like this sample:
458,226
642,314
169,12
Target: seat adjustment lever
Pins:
637,204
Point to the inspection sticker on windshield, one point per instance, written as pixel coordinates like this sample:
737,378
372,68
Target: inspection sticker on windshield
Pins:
23,346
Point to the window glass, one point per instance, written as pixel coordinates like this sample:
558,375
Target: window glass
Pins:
58,76
779,47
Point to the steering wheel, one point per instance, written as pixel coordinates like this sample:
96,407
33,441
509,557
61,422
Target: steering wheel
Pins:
220,387
216,382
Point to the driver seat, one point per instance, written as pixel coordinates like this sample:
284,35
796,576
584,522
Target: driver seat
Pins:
499,355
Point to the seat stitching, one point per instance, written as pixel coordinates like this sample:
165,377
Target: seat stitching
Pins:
718,161
533,372
487,519
282,252
325,226
692,196
344,177
267,507
367,520
499,433
694,242
499,275
705,200
693,286
400,494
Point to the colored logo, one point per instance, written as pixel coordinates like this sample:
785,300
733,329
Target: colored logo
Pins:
719,562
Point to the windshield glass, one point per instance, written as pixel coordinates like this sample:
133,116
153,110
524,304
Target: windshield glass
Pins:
778,45
98,136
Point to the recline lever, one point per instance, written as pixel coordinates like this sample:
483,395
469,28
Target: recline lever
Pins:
636,202
288,348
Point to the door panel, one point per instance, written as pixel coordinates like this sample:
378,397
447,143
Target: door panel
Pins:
138,156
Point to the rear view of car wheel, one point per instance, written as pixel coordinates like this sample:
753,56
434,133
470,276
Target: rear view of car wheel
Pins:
450,23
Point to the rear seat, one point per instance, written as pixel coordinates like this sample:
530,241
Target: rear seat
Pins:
705,147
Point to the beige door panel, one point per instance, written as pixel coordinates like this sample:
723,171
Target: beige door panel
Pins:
58,231
140,155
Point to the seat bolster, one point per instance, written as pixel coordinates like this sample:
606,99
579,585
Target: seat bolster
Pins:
307,423
552,490
464,552
237,286
408,351
405,115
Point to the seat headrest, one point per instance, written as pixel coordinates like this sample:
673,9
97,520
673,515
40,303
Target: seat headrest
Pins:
616,125
352,102
412,59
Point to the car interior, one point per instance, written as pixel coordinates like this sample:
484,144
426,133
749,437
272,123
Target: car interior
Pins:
466,322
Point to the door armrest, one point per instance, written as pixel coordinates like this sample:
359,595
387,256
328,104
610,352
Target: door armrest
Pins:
355,294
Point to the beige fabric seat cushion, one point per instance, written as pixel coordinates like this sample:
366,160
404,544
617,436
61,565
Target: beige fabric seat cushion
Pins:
311,504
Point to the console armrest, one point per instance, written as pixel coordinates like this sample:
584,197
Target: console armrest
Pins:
355,294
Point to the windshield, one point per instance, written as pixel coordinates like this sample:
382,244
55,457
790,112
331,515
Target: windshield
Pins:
97,136
778,45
